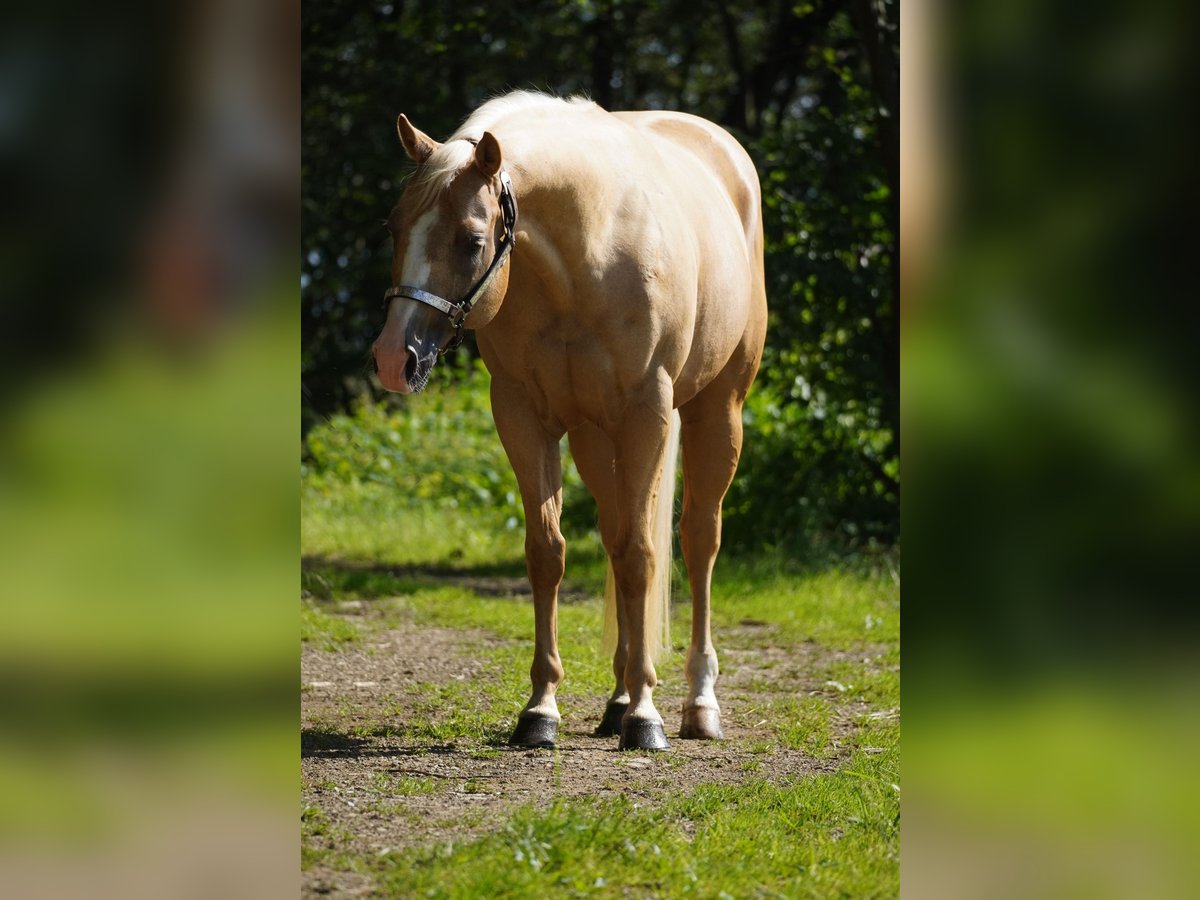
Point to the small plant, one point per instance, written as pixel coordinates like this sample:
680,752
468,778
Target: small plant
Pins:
404,785
321,628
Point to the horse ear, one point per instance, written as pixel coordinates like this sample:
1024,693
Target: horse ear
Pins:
487,155
417,144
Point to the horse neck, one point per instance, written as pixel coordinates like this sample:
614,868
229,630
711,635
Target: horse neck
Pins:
557,200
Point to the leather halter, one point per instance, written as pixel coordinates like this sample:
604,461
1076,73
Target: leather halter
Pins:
457,311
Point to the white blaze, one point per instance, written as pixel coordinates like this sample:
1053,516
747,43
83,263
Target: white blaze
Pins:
415,272
416,259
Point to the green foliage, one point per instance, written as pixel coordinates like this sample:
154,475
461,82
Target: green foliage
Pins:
812,478
440,449
822,422
809,88
423,476
412,479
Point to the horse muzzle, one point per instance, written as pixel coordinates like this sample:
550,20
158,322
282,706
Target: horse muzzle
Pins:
402,370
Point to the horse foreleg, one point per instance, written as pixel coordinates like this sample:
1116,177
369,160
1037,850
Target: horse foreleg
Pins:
535,459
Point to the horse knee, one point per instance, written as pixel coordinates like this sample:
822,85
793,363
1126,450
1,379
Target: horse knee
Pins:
545,557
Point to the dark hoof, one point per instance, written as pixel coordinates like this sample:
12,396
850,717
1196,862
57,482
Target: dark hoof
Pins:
641,734
610,725
701,723
535,731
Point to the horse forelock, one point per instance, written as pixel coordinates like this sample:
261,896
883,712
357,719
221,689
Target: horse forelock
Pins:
436,173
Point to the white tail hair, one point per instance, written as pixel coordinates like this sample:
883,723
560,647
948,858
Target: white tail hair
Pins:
658,611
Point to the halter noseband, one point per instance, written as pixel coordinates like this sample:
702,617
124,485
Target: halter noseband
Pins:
457,312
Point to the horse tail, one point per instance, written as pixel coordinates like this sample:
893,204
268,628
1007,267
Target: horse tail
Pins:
658,613
662,531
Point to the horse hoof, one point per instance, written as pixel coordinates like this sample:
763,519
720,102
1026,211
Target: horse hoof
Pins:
610,725
535,731
642,734
701,723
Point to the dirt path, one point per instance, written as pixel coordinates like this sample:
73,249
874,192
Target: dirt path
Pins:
379,790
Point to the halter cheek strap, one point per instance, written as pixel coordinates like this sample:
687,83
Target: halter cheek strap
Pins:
457,311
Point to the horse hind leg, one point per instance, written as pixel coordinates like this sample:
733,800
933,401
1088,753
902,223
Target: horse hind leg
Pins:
594,457
618,701
712,442
643,438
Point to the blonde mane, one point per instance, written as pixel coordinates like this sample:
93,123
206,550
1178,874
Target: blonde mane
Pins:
449,159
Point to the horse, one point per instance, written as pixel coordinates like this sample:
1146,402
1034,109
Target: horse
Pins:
611,267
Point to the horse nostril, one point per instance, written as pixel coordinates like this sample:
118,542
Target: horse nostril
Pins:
410,366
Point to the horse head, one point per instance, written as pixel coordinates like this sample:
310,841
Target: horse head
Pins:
451,231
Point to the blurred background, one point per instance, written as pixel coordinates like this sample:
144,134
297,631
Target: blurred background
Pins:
149,157
1052,517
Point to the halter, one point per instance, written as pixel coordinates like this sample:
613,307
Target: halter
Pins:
457,312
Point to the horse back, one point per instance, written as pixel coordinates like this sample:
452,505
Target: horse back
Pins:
716,150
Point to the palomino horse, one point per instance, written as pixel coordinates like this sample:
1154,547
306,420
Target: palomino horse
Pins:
634,287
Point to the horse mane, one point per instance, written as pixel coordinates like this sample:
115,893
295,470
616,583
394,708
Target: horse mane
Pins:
436,173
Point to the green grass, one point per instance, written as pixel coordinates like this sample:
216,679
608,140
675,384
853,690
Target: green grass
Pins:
369,521
322,844
824,836
406,785
806,725
838,607
328,631
371,536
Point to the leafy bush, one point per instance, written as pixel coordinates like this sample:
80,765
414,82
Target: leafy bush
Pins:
814,476
438,449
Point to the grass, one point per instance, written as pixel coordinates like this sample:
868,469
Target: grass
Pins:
329,631
407,558
406,785
829,835
370,521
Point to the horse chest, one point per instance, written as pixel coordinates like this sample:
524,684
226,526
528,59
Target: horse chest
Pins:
568,379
